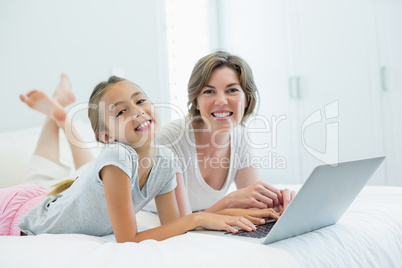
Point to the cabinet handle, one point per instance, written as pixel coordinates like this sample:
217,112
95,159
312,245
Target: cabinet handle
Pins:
384,78
298,87
294,87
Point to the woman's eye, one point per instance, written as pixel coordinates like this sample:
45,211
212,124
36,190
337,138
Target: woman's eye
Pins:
140,101
233,90
120,113
208,91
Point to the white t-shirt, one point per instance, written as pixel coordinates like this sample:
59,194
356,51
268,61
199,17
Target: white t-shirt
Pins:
178,135
82,208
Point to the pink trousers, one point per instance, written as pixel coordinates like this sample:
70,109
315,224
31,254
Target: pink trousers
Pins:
15,201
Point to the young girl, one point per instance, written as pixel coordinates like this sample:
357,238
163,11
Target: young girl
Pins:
128,173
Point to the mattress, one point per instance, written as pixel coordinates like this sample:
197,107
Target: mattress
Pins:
369,234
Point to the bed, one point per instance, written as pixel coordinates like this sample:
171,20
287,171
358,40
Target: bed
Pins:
368,235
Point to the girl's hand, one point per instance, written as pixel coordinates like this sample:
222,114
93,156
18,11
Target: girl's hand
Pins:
254,215
217,222
258,195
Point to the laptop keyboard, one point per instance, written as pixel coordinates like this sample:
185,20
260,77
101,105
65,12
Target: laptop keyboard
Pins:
260,232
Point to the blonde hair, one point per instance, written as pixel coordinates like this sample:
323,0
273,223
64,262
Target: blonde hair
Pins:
61,187
97,122
202,72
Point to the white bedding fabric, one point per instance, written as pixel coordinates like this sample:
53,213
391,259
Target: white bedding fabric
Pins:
368,235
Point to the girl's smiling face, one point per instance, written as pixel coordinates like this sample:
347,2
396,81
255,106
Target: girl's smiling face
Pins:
129,116
222,101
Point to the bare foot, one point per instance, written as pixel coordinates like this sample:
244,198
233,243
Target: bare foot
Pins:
63,94
41,102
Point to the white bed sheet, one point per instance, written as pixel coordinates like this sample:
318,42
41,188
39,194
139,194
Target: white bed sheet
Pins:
368,235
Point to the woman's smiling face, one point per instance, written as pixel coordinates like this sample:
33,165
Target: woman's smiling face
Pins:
222,101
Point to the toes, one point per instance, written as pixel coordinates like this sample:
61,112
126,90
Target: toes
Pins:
30,93
23,98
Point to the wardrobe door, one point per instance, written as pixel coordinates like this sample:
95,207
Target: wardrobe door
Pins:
389,29
336,82
258,32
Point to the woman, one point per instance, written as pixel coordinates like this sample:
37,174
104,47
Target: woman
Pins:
210,144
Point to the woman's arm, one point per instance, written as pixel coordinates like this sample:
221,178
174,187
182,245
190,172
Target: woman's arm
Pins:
117,186
181,196
251,193
254,216
260,194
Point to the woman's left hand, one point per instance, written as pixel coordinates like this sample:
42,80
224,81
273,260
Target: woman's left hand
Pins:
287,196
254,215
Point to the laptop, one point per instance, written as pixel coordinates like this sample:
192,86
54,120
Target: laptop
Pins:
320,202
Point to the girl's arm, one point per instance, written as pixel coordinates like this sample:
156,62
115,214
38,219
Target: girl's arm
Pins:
167,207
254,215
117,186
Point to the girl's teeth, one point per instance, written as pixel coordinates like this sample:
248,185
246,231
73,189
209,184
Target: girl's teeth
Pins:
143,125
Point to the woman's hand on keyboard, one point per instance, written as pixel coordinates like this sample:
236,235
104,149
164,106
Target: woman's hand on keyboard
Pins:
287,196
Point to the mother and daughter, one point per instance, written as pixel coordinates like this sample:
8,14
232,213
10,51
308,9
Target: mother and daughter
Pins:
111,189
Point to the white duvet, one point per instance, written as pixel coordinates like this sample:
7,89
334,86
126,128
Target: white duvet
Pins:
368,235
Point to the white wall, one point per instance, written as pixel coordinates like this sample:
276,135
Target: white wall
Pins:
85,39
336,50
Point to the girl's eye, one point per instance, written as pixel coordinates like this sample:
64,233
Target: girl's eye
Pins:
233,90
140,101
120,113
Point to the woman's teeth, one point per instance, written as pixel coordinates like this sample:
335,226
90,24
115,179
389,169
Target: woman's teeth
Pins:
221,115
143,125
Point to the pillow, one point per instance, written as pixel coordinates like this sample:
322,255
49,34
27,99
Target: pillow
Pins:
17,147
16,150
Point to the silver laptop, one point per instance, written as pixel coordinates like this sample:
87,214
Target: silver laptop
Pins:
321,201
